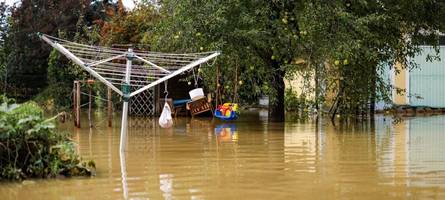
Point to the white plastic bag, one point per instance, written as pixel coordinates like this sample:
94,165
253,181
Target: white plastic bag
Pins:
165,120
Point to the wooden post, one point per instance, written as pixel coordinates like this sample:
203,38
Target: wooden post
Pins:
78,104
236,83
110,108
217,87
89,106
74,103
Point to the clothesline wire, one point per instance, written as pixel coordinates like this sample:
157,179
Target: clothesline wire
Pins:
122,50
95,52
96,97
146,68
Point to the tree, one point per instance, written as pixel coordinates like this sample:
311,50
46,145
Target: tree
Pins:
27,59
350,43
257,39
130,27
4,9
343,45
32,64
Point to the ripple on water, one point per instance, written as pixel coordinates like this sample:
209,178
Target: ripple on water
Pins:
204,159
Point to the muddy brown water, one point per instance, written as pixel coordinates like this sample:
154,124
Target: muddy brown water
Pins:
253,159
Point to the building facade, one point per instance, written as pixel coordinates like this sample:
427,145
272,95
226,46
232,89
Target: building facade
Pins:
424,85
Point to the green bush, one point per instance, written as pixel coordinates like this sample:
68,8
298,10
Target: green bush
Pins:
296,103
29,146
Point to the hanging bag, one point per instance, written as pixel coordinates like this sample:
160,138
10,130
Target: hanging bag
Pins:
166,120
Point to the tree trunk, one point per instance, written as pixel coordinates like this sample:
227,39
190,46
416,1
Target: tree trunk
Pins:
373,92
317,90
336,103
276,108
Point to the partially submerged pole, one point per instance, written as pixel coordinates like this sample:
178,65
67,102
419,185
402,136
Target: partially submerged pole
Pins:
126,97
74,103
110,111
217,86
78,104
90,101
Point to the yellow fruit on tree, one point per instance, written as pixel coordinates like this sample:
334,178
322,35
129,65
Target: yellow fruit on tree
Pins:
284,20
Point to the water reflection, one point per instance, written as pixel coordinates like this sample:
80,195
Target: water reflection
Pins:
226,133
166,182
124,174
303,147
425,150
201,158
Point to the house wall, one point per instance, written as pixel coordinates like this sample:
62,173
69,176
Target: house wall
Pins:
424,85
400,81
427,82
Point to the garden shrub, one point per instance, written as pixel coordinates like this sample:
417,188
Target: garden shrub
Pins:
31,148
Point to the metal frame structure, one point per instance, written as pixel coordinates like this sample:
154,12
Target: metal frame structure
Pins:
114,66
144,104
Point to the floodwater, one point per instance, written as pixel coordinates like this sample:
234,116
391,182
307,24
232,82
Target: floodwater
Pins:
252,159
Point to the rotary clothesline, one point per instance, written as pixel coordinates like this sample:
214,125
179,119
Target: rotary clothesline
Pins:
135,71
147,68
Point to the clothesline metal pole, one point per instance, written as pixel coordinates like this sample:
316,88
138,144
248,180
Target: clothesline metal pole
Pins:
126,97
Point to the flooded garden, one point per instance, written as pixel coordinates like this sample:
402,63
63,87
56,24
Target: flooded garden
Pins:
132,99
201,158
